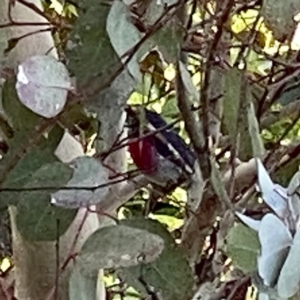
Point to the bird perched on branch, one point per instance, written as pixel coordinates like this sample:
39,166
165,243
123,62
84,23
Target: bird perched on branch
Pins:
157,150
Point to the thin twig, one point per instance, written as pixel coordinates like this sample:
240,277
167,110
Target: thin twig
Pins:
205,82
17,39
23,24
34,8
74,243
62,188
56,286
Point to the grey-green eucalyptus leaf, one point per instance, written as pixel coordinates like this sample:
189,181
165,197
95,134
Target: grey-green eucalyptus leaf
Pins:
37,219
242,246
124,35
88,172
253,127
279,17
43,84
165,274
81,287
275,239
188,84
89,52
289,278
118,246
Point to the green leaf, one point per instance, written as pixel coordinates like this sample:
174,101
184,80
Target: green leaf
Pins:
118,246
168,40
81,287
234,84
170,109
43,84
22,119
253,127
25,168
170,275
243,247
188,83
88,172
235,111
21,174
108,106
89,51
218,185
167,209
155,10
37,219
124,35
279,17
290,92
245,141
285,174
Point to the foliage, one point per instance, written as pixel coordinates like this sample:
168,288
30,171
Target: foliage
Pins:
279,244
225,74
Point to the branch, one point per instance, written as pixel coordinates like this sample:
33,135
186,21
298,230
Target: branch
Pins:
210,207
192,126
289,111
125,191
207,67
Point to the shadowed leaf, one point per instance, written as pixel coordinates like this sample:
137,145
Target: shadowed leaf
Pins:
37,218
118,246
164,275
81,287
279,17
88,172
89,50
242,246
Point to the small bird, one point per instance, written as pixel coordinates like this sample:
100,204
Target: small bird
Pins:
158,151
